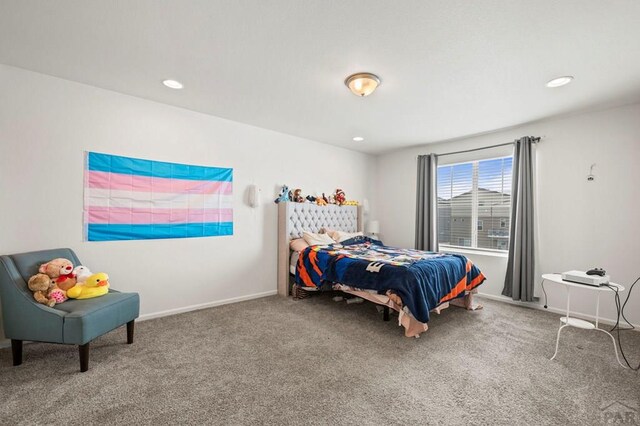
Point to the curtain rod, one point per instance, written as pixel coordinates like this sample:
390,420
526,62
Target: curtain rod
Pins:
535,140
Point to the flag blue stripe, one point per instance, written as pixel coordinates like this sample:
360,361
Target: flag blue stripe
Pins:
136,166
116,232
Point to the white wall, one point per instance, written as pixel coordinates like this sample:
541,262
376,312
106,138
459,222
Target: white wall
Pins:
581,224
45,125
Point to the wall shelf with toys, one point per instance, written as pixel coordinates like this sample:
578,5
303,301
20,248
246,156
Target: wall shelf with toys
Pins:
337,198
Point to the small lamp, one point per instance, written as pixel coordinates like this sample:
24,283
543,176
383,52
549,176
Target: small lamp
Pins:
373,227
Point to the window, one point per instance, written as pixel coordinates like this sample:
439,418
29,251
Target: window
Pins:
464,242
475,192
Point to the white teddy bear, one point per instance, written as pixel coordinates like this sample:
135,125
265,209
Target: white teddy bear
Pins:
81,273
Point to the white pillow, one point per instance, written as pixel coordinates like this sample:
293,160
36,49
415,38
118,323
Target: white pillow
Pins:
341,236
317,239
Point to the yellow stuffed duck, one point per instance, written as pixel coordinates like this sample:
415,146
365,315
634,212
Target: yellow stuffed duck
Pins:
96,285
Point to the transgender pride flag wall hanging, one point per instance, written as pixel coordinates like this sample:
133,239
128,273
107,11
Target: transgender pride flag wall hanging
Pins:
133,199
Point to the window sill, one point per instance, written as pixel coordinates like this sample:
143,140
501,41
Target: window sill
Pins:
477,252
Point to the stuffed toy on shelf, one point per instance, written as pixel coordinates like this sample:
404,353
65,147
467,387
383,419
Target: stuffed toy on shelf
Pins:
340,197
297,196
284,195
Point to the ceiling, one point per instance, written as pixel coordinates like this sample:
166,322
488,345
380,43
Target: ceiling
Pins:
449,68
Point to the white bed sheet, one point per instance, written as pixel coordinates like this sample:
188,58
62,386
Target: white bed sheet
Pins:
293,261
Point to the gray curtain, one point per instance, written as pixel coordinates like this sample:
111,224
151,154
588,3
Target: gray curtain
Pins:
518,283
426,208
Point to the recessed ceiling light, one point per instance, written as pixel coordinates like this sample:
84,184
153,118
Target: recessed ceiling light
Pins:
358,139
560,81
173,84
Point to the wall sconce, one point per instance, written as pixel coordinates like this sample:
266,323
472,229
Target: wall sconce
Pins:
254,196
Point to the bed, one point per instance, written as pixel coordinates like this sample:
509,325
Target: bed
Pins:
413,283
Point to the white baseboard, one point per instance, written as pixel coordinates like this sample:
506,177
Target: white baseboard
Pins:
533,305
6,342
199,306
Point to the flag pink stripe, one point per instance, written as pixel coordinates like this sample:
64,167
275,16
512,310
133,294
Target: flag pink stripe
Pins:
107,180
121,215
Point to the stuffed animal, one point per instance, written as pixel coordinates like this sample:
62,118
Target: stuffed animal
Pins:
61,271
340,197
297,196
321,201
58,294
311,198
283,197
332,199
394,298
81,273
40,285
351,203
96,285
324,197
45,290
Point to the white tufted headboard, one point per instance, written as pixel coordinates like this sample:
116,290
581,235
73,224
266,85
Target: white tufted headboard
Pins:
293,218
311,217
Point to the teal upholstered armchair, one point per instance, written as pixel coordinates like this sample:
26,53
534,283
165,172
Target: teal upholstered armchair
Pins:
74,322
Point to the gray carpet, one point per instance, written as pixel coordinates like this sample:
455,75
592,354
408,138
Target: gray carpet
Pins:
315,361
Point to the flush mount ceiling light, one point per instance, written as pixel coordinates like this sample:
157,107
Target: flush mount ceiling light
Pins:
362,84
173,84
560,81
358,139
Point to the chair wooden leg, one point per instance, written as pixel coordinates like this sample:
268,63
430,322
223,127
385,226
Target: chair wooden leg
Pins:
16,351
84,357
130,328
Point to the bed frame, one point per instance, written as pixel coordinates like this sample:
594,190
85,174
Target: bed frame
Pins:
294,218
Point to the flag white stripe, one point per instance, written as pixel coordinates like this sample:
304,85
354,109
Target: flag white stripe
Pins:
98,197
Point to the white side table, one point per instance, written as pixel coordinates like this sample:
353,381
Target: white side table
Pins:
576,322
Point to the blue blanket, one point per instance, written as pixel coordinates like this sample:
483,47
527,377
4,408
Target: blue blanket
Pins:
423,280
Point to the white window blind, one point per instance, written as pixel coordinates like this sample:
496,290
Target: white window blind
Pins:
474,200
